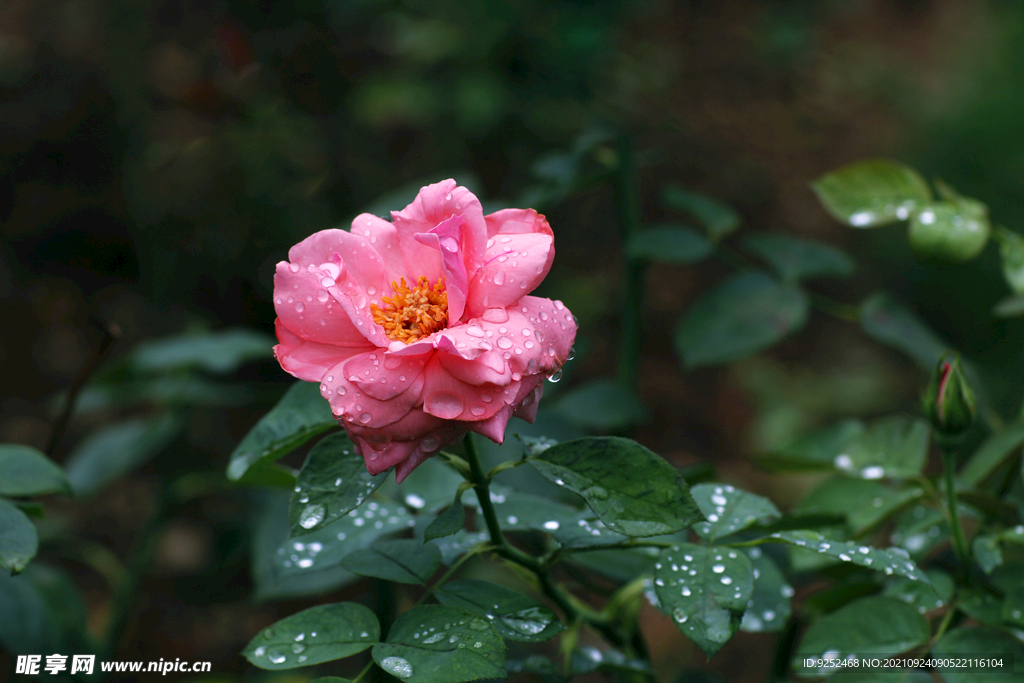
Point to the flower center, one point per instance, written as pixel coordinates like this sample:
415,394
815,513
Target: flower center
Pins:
412,313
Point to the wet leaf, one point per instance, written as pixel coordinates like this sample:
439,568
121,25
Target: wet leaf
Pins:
867,194
313,636
513,615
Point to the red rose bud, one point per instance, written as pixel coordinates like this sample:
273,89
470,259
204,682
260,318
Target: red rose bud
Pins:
949,401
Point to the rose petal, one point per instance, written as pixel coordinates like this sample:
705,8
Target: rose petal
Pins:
494,427
309,311
402,258
516,221
383,375
361,261
309,360
448,398
439,202
350,403
515,265
487,368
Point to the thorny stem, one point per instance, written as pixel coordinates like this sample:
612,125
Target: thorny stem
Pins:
111,332
573,609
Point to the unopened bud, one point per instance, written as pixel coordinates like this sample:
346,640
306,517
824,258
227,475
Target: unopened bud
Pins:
949,401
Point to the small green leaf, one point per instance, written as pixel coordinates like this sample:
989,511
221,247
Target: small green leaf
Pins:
588,532
286,567
1011,254
669,244
769,607
893,561
816,450
404,561
269,475
301,414
1009,307
895,447
602,405
923,596
988,550
218,352
19,540
24,471
631,489
950,232
1013,606
729,510
863,503
448,522
999,447
118,449
332,483
874,625
890,323
313,636
981,606
973,642
513,615
745,314
867,194
441,644
796,259
705,591
717,218
524,511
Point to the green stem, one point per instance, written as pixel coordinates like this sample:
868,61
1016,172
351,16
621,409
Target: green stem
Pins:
946,620
959,542
627,203
572,608
362,674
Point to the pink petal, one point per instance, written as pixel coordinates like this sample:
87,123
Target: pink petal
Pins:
361,261
515,265
379,460
439,202
516,221
402,258
308,360
487,368
384,375
351,404
445,239
447,398
309,311
523,405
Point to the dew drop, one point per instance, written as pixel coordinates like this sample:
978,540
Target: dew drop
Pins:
397,666
312,515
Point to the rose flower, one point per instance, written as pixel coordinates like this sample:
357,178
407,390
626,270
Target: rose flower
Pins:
422,329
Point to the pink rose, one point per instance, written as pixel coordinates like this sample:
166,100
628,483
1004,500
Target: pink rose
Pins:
421,330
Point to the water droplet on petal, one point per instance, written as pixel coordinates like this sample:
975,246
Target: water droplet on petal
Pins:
444,405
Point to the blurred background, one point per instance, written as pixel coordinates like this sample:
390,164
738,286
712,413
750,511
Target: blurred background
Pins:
158,157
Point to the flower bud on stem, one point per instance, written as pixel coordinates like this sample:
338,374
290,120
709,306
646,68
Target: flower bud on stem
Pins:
950,405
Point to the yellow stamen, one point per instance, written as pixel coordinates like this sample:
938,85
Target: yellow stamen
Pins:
412,313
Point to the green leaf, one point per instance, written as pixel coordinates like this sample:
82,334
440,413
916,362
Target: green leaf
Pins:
448,522
1013,606
588,532
816,450
717,218
118,449
884,319
332,483
796,259
951,232
301,414
745,314
441,644
24,471
19,540
404,561
863,503
923,596
729,510
218,352
988,550
525,511
619,565
769,607
602,405
285,567
981,606
1009,307
874,625
631,489
513,615
1011,254
892,561
977,642
705,591
996,450
313,636
269,475
27,625
895,447
427,489
867,194
669,244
